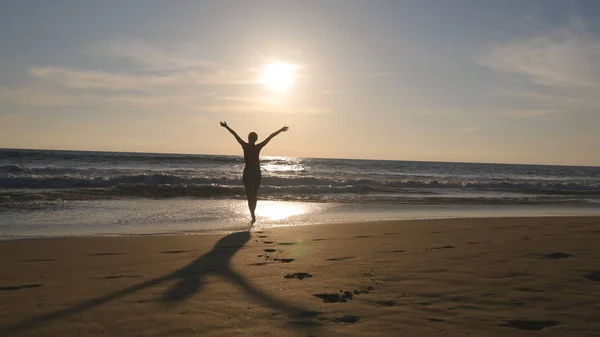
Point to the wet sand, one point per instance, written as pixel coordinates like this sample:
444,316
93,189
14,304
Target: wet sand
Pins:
460,277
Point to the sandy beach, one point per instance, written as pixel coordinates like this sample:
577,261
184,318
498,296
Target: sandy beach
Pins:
459,277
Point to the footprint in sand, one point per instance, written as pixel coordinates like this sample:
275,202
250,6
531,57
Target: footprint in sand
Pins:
262,236
287,243
556,256
436,320
443,247
347,319
342,296
594,276
386,303
362,291
299,276
340,258
529,325
268,242
174,251
274,260
335,297
362,236
270,250
24,286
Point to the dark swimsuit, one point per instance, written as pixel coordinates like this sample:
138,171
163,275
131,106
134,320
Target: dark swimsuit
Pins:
252,173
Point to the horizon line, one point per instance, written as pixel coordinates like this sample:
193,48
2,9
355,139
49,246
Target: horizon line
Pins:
334,158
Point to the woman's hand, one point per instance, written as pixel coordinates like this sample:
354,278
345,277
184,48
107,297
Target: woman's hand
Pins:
224,124
285,128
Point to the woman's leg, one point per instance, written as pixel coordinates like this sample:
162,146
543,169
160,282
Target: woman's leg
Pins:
254,198
249,186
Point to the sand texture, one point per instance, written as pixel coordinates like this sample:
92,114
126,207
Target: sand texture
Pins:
464,277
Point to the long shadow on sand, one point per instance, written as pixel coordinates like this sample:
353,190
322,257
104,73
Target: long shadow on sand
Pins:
190,280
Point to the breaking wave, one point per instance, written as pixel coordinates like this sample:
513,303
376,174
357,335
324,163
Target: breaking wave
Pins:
70,175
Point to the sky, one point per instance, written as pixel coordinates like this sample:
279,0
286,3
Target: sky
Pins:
507,81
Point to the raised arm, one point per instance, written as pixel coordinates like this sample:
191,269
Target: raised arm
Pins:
224,124
266,141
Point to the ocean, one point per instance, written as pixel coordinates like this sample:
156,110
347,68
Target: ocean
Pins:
44,192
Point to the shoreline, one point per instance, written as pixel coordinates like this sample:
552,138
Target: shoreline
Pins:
283,226
171,217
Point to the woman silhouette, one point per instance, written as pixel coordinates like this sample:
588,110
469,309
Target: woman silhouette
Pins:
252,174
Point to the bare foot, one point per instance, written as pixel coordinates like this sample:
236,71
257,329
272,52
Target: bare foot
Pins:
253,220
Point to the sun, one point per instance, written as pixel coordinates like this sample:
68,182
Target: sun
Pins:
278,76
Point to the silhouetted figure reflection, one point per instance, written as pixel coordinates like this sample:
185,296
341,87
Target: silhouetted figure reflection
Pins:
252,175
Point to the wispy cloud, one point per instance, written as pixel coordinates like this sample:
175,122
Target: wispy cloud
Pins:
471,129
90,79
176,79
568,57
246,108
550,74
257,104
43,97
543,114
146,54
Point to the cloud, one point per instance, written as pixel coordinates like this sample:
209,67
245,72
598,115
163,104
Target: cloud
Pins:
549,74
36,96
90,79
167,80
471,129
567,57
42,97
246,108
541,114
264,104
150,55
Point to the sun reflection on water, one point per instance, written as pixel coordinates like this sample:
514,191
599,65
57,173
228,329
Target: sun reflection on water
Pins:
282,164
274,210
283,168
